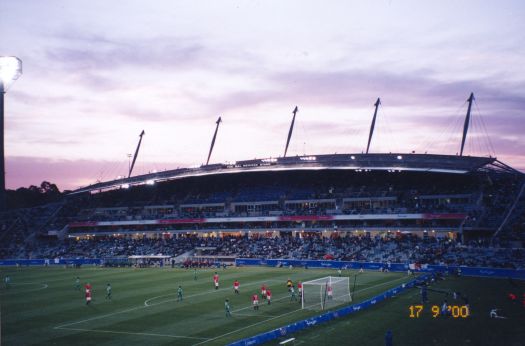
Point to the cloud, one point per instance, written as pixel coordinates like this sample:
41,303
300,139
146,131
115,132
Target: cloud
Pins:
96,53
69,174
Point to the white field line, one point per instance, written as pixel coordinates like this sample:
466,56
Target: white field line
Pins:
255,315
251,306
146,302
44,286
249,326
131,333
153,304
287,313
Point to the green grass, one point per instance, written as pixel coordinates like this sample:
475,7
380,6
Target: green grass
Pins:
42,299
368,327
42,306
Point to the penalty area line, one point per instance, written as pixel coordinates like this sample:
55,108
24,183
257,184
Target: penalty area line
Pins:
132,333
285,314
248,326
147,301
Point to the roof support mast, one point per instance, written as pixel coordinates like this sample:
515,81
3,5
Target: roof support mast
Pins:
467,122
373,125
213,139
136,154
290,131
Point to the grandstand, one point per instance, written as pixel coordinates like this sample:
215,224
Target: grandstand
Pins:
345,206
394,211
378,212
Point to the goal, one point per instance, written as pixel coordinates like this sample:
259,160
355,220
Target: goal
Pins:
317,296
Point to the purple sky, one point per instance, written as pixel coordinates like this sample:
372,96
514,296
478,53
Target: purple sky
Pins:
98,72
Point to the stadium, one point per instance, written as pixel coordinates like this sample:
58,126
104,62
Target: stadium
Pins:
355,248
241,173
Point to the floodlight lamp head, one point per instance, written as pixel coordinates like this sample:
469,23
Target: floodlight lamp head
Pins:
10,70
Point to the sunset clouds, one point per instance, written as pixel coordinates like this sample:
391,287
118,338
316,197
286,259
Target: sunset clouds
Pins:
96,73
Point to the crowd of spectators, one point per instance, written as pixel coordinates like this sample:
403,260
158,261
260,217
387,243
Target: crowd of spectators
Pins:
393,249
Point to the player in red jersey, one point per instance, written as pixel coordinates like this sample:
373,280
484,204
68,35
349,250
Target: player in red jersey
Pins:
300,288
263,291
236,286
255,301
269,296
88,293
330,292
216,280
88,297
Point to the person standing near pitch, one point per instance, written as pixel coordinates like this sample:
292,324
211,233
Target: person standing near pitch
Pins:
293,296
236,286
227,308
88,293
7,281
179,294
269,296
255,301
329,292
216,280
108,291
263,291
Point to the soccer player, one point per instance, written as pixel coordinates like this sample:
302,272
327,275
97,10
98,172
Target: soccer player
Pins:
339,272
289,284
77,284
236,286
7,281
227,308
88,293
300,288
216,280
179,294
293,296
269,296
108,291
255,301
263,291
330,292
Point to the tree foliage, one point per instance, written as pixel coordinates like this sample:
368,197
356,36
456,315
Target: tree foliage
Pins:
32,196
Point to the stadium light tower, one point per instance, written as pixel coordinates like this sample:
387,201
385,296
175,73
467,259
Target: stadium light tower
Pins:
10,70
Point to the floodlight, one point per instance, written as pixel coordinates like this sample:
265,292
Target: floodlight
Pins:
10,70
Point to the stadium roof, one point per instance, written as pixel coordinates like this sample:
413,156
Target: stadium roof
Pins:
392,162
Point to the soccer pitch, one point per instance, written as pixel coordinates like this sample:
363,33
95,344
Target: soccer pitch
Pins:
42,305
368,327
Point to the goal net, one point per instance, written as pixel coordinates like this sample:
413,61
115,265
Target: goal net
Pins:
324,293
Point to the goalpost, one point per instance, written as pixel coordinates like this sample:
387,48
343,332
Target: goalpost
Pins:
317,296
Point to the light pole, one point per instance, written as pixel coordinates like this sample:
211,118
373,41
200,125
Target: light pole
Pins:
129,162
10,70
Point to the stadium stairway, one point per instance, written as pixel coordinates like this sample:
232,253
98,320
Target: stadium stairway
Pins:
516,210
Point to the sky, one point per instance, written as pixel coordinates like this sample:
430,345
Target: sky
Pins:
97,73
